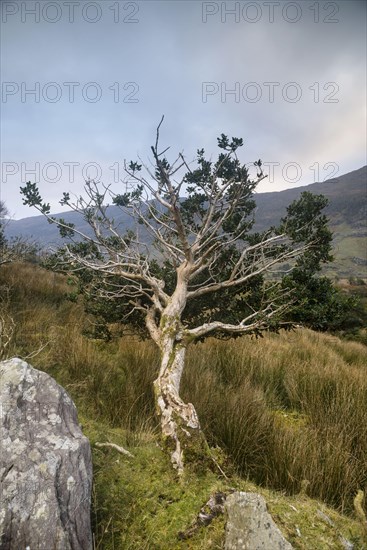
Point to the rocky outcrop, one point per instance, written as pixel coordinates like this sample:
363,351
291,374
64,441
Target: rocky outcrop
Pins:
45,464
250,526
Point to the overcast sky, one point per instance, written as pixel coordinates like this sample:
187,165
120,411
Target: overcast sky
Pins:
287,77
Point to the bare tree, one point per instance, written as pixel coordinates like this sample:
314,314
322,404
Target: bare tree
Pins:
189,265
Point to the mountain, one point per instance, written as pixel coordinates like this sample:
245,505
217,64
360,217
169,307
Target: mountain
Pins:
347,212
39,230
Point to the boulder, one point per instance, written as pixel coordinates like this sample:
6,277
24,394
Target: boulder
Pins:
250,526
45,464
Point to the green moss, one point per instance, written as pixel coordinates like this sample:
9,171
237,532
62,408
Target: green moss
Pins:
138,503
291,419
310,524
169,325
196,452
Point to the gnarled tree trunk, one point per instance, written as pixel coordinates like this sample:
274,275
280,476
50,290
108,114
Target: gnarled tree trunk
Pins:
179,421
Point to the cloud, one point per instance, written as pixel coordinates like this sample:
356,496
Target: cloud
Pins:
163,62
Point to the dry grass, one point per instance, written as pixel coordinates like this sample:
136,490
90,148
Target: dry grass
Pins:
285,408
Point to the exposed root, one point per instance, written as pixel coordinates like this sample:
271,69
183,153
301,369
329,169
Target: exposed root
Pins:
211,509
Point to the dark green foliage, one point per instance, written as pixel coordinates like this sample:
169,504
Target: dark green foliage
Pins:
128,198
305,223
320,305
317,303
33,197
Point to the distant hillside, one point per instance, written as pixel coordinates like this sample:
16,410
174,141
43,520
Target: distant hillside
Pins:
347,212
41,231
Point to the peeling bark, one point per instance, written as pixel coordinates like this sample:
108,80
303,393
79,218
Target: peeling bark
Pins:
179,421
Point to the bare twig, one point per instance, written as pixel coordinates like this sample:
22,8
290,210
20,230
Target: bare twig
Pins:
118,448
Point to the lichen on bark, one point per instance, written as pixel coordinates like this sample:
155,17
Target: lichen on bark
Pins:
181,431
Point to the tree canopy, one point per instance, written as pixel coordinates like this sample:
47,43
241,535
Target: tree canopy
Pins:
206,219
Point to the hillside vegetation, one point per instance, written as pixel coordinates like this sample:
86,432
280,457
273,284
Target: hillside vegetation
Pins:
285,415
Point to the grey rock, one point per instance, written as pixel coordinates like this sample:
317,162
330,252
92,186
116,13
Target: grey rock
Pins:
250,526
45,464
